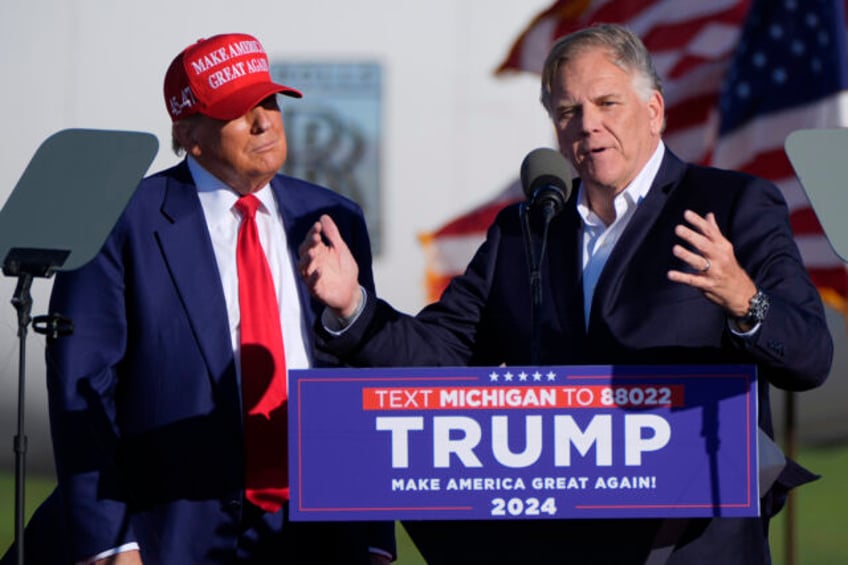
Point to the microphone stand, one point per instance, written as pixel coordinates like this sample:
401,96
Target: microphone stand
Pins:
534,263
25,264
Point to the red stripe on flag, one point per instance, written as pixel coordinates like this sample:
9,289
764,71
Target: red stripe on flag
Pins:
477,220
769,164
805,222
690,112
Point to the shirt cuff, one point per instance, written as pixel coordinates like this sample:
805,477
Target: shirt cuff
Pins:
132,546
337,325
384,553
734,329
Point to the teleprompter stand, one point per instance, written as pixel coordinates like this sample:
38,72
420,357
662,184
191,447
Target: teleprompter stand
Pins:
57,218
26,264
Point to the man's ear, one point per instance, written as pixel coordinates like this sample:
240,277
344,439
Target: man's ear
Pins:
656,106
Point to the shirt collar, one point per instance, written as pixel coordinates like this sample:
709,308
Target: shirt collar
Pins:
218,196
630,196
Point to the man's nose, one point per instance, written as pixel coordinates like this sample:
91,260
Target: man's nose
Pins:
590,119
261,119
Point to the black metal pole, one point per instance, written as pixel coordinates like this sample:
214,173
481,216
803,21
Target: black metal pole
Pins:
22,301
25,264
789,445
535,282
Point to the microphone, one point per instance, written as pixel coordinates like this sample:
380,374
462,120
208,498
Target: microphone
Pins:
546,180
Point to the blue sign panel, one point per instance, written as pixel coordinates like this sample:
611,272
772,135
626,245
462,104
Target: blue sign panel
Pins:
523,442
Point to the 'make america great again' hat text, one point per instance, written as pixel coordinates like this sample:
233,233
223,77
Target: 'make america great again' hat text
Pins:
221,77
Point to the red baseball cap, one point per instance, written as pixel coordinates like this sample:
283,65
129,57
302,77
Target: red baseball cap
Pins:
221,77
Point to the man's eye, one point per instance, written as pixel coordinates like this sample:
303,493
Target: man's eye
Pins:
566,113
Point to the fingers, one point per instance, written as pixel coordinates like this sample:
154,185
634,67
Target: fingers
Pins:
698,262
331,232
326,265
309,248
321,233
711,257
706,242
699,234
313,238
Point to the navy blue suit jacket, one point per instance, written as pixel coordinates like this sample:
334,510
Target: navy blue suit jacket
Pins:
144,396
638,316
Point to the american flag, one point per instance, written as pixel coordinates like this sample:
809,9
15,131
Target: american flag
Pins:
738,77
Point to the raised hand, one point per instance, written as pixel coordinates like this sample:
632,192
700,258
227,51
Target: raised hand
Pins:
329,269
716,271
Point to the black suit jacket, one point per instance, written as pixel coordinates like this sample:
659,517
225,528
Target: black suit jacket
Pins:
638,316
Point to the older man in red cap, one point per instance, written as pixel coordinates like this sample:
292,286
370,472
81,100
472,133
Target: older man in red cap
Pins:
168,403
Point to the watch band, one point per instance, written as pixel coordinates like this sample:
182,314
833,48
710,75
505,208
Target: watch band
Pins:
758,307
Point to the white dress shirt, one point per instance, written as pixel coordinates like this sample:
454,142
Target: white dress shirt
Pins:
223,220
598,238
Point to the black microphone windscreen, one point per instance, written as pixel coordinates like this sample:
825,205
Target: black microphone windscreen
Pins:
545,167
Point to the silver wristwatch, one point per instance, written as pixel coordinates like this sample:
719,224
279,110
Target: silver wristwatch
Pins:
757,309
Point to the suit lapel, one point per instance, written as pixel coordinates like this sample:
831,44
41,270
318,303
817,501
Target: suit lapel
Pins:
566,270
643,220
187,250
295,208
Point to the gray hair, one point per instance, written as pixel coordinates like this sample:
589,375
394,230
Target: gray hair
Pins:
626,51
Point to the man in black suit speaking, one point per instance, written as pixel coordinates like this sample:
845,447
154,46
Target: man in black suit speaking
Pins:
652,261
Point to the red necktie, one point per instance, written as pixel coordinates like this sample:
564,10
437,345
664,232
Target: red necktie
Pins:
263,369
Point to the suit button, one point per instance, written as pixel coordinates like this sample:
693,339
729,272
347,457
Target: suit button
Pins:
776,347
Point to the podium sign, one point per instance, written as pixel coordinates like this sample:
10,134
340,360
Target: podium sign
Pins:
523,443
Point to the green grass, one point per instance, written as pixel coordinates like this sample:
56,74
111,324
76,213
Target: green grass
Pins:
818,510
36,489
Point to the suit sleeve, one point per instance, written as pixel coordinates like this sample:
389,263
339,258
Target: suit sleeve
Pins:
82,380
443,334
793,344
360,245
